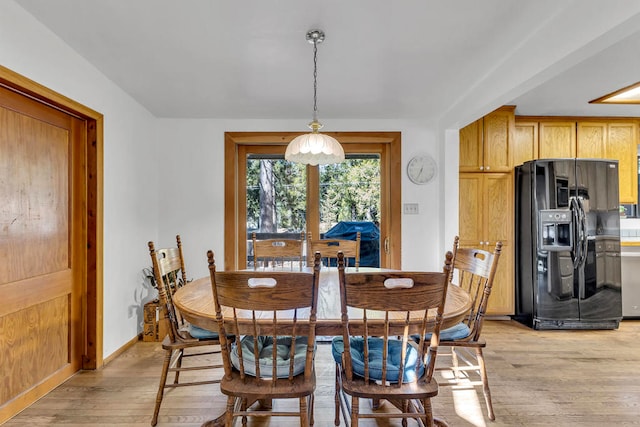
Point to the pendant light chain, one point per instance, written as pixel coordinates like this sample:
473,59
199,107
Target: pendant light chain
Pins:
315,80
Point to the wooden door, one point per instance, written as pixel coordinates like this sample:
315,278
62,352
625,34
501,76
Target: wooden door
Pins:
557,140
42,248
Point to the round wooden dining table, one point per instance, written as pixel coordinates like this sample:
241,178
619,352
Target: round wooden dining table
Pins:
195,302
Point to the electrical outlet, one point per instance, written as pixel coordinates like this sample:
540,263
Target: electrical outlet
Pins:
411,208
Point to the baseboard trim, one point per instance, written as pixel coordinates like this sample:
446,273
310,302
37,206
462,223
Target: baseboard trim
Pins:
122,349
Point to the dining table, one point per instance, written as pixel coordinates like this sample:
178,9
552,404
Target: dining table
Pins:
195,303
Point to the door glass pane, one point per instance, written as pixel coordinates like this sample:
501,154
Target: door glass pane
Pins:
350,202
276,199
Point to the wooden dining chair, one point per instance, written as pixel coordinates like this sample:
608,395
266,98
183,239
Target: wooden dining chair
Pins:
274,361
169,275
376,358
280,254
329,249
474,271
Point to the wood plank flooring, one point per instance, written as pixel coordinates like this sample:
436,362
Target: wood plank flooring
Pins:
559,378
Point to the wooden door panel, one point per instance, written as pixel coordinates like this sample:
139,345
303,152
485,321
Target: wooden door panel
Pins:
623,146
498,211
592,140
470,215
41,258
471,151
496,141
557,140
525,143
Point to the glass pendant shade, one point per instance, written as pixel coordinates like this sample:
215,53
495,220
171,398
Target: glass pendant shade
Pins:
314,149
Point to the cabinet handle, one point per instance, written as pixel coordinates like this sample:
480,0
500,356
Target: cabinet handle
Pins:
386,245
481,167
488,167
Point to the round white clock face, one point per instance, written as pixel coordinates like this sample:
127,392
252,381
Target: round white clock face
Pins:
421,169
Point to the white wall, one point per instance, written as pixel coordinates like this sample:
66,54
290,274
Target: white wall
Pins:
192,152
184,157
130,165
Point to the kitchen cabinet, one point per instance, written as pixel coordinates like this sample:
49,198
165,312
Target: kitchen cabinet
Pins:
484,144
524,146
606,138
556,140
485,217
622,145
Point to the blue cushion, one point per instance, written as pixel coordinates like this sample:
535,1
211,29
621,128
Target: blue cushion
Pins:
201,334
457,332
413,365
265,350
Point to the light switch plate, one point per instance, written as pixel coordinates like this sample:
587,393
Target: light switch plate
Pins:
411,208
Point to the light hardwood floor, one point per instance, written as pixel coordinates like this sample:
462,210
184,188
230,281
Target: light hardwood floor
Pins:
559,378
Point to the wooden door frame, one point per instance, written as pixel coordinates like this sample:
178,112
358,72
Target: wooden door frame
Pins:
92,298
391,237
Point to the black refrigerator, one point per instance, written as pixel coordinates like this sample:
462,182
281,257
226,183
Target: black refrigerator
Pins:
567,244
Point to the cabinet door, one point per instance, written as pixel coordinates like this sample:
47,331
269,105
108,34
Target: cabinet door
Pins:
592,140
471,219
497,207
622,145
471,152
501,300
486,216
496,140
498,226
557,140
524,145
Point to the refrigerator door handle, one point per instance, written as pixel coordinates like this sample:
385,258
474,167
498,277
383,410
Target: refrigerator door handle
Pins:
583,227
576,213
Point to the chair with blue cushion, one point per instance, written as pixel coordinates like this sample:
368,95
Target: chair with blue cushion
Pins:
474,271
268,360
169,275
376,357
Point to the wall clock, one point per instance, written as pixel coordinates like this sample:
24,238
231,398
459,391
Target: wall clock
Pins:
421,169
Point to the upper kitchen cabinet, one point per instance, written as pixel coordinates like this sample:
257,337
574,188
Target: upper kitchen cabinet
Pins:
557,140
524,146
484,144
622,145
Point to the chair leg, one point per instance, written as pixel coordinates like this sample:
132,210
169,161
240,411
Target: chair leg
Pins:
178,366
231,403
355,410
485,383
163,380
454,363
428,412
405,409
304,415
311,405
336,419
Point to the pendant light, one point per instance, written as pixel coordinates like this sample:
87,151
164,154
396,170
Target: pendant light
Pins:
314,148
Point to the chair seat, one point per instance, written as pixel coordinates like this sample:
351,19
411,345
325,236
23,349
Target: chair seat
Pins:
265,355
201,334
414,367
456,332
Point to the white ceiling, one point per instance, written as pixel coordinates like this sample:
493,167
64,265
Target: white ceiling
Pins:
447,61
